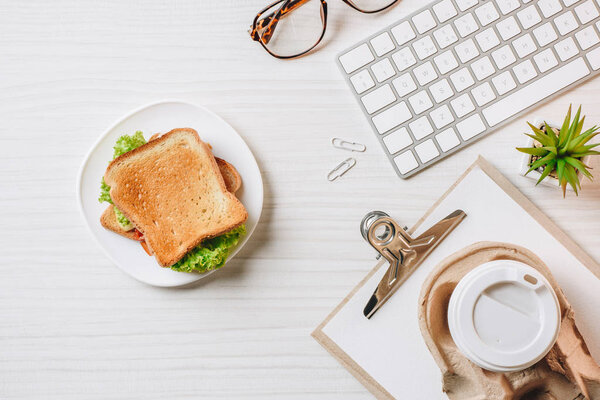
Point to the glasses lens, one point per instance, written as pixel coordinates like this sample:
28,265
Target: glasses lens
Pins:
299,28
372,5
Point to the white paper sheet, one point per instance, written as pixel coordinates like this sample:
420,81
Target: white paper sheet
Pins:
389,346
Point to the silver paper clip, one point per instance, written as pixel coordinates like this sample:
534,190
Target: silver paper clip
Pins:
341,169
403,252
346,145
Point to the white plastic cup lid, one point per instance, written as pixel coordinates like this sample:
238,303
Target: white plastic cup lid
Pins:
504,316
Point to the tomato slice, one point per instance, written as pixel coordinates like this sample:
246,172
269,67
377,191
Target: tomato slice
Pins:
137,235
145,246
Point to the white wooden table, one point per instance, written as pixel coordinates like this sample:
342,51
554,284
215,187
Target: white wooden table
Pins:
72,326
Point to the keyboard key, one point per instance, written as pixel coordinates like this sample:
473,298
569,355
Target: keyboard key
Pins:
356,58
427,151
362,81
406,162
403,33
524,71
549,7
447,139
529,17
470,127
565,23
508,28
537,91
424,47
441,116
524,45
424,21
545,60
404,58
382,44
594,58
466,50
462,79
392,117
486,14
397,140
404,84
503,57
444,10
507,6
487,39
566,49
465,4
378,99
504,83
383,70
425,73
570,2
420,128
462,105
445,36
545,34
445,62
586,12
420,102
466,25
483,94
482,68
587,37
441,90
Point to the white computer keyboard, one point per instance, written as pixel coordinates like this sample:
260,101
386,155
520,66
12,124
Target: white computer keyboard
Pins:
455,70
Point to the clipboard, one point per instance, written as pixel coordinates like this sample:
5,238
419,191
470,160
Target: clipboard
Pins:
387,353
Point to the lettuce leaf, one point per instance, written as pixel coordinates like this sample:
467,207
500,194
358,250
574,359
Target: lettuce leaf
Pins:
124,144
210,254
122,220
104,192
128,142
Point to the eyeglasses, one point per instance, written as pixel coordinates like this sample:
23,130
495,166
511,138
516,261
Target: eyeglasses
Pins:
292,28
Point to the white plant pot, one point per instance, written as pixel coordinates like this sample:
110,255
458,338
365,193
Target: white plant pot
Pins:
525,160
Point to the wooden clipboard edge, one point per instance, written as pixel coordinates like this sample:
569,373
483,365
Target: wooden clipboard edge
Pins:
352,366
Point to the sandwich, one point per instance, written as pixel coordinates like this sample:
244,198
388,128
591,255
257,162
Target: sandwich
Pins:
175,198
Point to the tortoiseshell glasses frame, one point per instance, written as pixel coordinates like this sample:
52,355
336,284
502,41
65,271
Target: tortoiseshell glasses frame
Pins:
263,27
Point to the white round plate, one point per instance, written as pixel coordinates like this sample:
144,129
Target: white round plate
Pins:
162,117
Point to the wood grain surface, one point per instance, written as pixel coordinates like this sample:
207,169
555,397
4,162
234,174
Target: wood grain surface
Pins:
72,326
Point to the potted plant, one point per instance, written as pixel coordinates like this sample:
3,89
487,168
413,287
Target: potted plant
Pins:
559,155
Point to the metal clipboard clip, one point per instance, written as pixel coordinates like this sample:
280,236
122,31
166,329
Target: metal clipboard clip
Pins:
403,252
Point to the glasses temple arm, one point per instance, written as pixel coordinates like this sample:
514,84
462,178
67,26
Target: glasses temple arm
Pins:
269,22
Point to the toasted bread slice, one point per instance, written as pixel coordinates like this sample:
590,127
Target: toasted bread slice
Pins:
232,179
172,191
108,219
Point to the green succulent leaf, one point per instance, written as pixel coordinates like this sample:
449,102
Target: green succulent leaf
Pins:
585,153
564,128
540,162
551,149
551,134
536,130
583,138
578,165
549,168
572,179
560,169
534,151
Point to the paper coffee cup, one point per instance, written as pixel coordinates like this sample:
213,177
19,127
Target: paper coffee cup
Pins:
504,316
